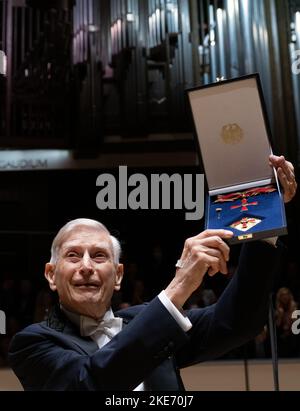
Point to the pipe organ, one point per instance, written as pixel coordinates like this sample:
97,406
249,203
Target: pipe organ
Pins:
79,70
37,83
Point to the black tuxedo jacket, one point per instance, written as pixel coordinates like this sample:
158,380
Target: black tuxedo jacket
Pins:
151,346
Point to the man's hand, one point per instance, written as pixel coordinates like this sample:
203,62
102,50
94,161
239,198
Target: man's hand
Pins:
205,252
286,175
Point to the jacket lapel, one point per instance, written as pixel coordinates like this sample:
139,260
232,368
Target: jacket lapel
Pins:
59,322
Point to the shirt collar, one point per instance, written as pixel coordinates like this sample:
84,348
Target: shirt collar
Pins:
83,321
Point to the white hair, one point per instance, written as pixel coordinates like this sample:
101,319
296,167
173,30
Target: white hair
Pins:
58,239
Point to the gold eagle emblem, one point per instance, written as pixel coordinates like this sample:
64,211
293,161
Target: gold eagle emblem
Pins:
232,134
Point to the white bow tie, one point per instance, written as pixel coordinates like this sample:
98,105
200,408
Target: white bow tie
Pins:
109,325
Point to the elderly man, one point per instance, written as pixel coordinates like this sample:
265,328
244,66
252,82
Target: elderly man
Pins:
85,346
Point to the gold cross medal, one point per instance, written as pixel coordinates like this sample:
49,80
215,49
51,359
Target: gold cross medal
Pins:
245,224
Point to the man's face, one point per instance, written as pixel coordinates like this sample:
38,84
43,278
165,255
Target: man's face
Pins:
85,275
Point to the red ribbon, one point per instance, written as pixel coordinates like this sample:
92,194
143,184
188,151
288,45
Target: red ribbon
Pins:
244,194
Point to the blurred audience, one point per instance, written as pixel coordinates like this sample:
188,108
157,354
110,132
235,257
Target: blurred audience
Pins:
44,302
288,343
26,302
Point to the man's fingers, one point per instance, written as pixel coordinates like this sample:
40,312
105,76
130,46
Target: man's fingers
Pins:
195,243
225,234
186,250
286,175
284,183
288,169
276,161
218,244
213,252
286,166
209,238
221,266
283,178
211,272
214,264
289,186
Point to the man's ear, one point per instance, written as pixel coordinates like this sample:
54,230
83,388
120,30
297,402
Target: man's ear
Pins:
50,275
119,276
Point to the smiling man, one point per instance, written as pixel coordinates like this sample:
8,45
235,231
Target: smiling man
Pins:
83,345
84,267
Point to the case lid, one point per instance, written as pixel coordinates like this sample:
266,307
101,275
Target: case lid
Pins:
232,131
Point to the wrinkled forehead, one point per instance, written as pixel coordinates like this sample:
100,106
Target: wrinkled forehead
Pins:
85,236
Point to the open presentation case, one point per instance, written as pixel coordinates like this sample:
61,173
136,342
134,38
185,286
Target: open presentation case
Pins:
233,134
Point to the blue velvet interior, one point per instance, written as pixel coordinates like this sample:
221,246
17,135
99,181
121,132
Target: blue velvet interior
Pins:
269,210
